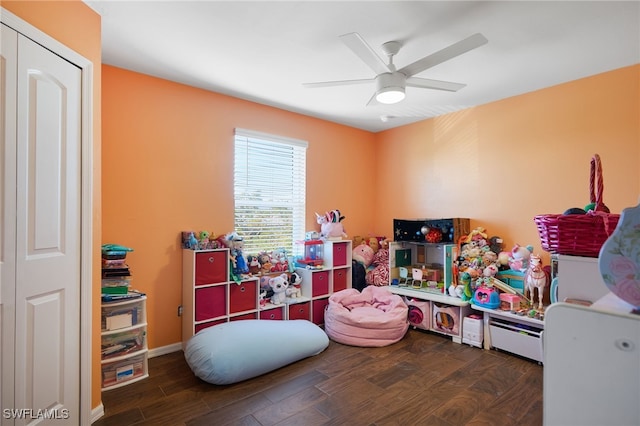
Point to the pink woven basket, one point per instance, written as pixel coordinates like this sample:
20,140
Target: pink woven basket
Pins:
579,235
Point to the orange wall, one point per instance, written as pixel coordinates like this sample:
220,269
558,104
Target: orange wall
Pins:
502,163
78,27
168,165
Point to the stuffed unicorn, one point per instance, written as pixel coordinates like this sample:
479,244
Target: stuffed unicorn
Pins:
331,224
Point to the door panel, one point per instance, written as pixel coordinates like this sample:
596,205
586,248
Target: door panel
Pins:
48,232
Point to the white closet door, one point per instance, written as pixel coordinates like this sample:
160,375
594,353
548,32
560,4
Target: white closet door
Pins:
8,60
47,339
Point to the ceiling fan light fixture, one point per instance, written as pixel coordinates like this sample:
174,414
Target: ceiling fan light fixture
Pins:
390,95
390,87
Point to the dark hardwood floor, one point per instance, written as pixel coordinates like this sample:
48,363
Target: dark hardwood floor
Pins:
425,379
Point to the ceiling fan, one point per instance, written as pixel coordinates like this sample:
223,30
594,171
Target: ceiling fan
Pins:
391,82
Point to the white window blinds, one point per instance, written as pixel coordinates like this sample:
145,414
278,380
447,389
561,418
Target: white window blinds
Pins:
269,190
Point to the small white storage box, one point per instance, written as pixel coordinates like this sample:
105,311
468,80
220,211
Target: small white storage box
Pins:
520,339
472,330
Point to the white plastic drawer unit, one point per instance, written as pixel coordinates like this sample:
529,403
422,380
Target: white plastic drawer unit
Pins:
520,339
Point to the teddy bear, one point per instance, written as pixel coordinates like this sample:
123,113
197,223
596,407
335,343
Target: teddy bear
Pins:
279,286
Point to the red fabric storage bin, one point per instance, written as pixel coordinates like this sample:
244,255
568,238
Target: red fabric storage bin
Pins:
272,314
340,254
318,310
299,311
320,283
340,279
243,296
211,302
204,325
211,267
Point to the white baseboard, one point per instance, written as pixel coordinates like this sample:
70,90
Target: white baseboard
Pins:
97,412
163,350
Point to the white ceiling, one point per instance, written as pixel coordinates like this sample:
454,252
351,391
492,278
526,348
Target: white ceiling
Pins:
263,51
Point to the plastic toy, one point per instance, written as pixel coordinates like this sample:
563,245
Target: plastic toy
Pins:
279,286
535,278
487,297
310,254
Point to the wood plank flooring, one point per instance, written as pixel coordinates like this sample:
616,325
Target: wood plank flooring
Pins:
425,379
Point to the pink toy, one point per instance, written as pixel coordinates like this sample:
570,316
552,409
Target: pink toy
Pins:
535,277
363,254
331,224
509,302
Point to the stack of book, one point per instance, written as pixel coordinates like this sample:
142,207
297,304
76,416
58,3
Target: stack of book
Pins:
116,276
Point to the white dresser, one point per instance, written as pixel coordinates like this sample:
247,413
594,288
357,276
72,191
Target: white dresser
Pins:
592,364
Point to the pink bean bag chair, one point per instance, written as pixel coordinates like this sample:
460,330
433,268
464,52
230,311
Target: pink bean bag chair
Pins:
376,317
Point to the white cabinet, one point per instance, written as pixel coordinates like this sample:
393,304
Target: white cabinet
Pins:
124,352
592,364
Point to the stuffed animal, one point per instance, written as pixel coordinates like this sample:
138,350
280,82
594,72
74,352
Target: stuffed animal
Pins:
191,242
203,243
331,224
265,262
279,262
519,260
374,244
363,254
254,264
294,291
279,286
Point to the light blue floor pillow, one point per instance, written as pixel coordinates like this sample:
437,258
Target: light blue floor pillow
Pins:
239,350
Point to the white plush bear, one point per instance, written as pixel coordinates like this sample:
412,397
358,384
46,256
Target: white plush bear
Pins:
279,286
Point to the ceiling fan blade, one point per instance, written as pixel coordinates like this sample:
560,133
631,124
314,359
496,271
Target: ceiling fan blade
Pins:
427,83
445,54
338,83
364,52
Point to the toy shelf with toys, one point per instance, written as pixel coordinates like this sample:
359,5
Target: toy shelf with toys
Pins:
420,272
324,268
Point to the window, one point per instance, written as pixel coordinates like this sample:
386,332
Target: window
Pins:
269,182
